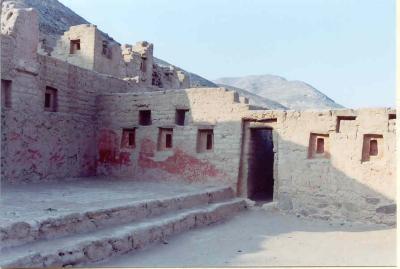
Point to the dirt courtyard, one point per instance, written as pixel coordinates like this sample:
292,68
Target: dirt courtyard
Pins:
260,238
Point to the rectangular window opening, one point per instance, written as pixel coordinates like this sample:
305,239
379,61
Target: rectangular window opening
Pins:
392,116
209,141
320,146
343,118
165,139
131,140
75,45
6,93
128,138
180,116
145,117
47,98
372,147
168,141
205,140
143,65
50,99
106,50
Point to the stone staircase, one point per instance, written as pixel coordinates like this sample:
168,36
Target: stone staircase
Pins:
92,236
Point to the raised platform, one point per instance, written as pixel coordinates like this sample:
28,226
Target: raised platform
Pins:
87,220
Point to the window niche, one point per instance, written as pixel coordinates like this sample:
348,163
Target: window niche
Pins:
143,65
165,139
392,122
106,50
6,93
205,140
343,120
372,147
180,116
145,117
128,139
75,46
318,146
50,99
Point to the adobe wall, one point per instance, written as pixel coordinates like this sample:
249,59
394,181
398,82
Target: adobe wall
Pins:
138,60
216,109
337,184
84,137
109,61
39,145
84,57
131,62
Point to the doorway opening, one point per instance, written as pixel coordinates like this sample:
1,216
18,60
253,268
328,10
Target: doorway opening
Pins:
260,185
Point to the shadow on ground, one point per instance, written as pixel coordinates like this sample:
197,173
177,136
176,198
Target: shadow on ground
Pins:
260,238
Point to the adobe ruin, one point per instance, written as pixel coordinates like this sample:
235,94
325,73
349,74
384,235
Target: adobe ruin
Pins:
93,108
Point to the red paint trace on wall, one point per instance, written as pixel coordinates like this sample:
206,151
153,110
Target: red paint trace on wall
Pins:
109,150
89,165
180,163
14,136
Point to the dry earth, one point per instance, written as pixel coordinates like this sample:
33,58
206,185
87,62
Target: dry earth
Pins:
260,238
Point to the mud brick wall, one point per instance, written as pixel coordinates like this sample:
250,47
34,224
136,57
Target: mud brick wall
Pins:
339,184
39,145
208,109
331,164
329,181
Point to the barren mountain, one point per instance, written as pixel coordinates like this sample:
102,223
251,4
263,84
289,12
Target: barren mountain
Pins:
270,91
292,94
55,19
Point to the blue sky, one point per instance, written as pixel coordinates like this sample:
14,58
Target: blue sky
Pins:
344,48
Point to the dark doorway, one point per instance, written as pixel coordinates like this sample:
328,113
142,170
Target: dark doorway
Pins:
260,183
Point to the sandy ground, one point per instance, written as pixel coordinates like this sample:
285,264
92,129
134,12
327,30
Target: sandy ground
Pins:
260,238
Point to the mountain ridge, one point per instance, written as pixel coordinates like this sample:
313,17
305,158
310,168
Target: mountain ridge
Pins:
276,92
294,94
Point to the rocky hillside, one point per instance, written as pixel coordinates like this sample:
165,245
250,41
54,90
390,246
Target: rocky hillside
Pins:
271,91
55,19
292,94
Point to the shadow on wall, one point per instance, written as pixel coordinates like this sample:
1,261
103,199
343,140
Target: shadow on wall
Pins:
145,138
317,189
40,145
208,147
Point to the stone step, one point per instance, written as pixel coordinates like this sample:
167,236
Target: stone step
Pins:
89,219
81,249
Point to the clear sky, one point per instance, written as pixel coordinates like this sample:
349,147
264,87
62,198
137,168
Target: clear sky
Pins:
344,48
